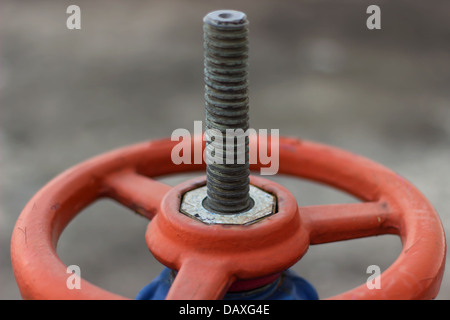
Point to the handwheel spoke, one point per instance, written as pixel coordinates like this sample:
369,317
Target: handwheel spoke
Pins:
329,223
200,279
137,192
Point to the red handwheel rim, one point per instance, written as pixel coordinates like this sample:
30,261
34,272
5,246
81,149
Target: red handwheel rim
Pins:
392,205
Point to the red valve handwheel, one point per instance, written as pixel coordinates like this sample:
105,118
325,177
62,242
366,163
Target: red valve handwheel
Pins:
209,258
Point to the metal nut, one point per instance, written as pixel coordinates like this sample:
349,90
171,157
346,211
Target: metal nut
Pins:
265,205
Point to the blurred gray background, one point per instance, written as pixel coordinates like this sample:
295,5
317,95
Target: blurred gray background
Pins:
134,72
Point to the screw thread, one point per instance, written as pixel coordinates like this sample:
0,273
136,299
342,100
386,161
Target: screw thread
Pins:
226,101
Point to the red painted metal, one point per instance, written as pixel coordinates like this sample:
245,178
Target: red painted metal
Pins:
209,259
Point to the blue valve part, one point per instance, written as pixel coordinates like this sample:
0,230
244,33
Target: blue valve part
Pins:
289,286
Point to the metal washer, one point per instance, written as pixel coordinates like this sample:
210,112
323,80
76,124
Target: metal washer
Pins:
265,205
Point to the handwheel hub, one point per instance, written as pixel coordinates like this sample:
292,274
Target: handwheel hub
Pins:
241,252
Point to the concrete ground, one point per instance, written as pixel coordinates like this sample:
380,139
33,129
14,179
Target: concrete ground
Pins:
134,72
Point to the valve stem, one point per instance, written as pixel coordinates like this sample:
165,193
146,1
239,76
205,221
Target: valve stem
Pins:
226,101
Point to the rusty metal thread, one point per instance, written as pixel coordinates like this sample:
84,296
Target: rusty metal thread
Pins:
226,100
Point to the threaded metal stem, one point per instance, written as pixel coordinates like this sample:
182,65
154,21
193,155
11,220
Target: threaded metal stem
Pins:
226,100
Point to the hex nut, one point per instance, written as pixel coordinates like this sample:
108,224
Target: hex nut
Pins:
264,206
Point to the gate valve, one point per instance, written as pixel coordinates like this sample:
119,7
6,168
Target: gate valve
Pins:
229,233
